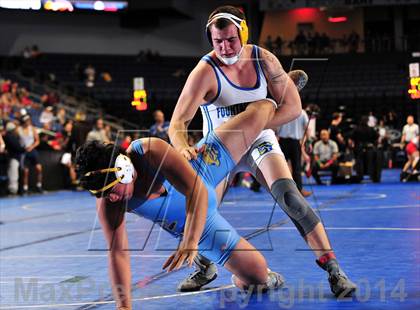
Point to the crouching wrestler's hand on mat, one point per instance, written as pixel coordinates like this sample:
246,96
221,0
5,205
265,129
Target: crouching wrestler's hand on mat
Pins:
187,251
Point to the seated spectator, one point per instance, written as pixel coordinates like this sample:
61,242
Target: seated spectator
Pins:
325,157
98,132
47,116
30,140
15,151
160,127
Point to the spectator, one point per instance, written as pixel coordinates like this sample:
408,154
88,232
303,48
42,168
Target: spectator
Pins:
325,157
372,120
292,136
69,148
300,42
47,116
391,120
269,44
98,132
108,132
364,140
15,151
30,140
410,131
278,45
61,117
160,127
90,74
336,132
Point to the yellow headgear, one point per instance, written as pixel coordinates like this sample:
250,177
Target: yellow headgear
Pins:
238,22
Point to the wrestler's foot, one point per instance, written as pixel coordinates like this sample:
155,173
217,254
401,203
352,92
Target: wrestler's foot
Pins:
206,272
274,281
341,286
299,77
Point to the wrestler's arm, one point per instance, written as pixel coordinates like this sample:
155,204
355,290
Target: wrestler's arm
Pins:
111,217
283,90
185,179
196,89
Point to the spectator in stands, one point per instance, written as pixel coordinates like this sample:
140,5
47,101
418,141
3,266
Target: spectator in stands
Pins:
90,75
336,133
300,43
391,120
291,139
325,43
278,45
108,132
30,140
384,141
24,98
372,120
410,131
98,132
160,127
15,151
47,116
269,44
364,140
325,157
69,147
60,117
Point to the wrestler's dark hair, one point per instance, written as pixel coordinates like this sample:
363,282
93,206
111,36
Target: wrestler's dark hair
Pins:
222,22
93,156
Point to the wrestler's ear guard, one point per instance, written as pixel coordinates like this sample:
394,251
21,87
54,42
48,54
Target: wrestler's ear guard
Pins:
124,173
238,22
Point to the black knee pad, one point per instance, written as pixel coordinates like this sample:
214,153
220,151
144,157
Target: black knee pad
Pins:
296,207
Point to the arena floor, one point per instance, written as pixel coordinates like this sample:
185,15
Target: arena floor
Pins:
53,254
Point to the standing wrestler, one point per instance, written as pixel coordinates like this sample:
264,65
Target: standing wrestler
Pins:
221,84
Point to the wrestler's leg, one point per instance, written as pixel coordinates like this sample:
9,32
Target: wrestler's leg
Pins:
238,134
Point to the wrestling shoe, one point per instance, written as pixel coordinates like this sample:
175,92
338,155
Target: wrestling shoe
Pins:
299,77
274,281
206,272
341,286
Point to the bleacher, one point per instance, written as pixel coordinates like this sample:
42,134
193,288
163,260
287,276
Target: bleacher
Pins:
361,82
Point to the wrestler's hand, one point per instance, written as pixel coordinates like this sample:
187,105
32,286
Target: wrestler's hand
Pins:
186,252
190,152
